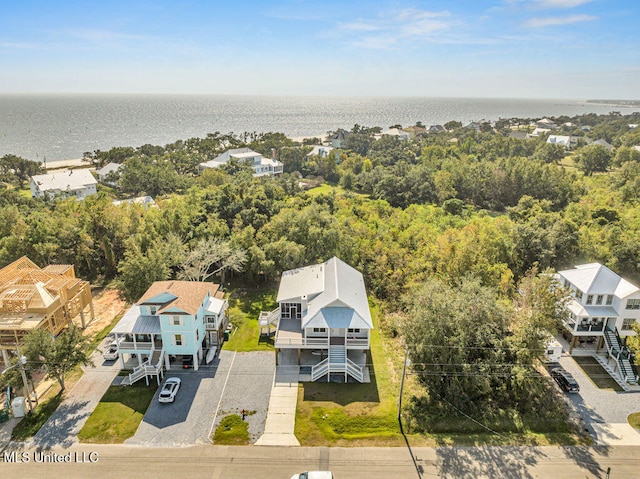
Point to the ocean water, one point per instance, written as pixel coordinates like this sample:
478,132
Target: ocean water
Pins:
59,127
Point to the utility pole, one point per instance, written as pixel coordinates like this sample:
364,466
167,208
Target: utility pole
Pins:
407,361
21,362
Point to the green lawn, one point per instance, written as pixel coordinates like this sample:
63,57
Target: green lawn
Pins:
332,414
31,424
118,414
597,373
634,420
232,431
245,305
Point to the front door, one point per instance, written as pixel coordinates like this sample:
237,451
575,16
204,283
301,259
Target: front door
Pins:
337,335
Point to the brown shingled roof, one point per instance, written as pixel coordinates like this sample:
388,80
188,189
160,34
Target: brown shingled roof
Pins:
190,294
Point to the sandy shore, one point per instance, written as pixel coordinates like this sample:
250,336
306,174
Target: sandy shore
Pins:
73,163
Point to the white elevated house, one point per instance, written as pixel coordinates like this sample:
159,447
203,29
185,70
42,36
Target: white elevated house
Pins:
321,151
261,166
172,318
79,183
602,308
564,140
323,322
398,133
107,169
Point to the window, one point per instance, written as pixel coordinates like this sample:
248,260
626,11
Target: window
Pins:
633,304
153,310
177,339
319,330
291,311
609,299
589,298
626,323
599,299
354,330
176,320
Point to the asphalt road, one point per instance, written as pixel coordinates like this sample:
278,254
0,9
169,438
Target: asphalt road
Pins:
218,462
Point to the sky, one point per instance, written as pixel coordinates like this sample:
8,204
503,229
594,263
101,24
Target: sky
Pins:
585,49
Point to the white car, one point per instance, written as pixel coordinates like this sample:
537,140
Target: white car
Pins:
313,475
169,390
111,352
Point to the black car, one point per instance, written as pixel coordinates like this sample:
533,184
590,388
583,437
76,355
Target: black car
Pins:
565,380
187,362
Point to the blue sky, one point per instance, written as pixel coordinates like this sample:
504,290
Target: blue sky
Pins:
467,48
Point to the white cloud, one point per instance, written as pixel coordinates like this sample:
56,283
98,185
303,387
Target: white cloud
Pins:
540,22
358,27
405,25
561,3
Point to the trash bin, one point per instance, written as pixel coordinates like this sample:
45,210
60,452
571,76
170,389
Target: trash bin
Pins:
18,406
226,335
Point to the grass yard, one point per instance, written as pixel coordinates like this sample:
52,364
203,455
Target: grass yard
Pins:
117,415
232,431
332,414
31,424
634,420
597,373
245,305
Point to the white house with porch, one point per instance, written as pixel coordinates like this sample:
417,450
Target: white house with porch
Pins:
323,322
79,183
261,166
173,318
602,308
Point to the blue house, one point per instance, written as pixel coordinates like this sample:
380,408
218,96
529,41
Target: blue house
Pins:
173,318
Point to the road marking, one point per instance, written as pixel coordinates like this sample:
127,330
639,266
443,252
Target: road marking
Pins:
215,416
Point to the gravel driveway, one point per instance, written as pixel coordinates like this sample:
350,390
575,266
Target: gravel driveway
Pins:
599,405
234,381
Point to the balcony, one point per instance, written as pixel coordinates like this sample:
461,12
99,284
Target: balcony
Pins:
586,326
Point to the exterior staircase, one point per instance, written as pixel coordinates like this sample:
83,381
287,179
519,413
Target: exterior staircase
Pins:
151,367
337,362
621,355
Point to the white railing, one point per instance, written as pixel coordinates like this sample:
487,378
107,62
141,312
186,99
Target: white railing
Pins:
355,371
360,342
280,342
320,369
137,346
269,317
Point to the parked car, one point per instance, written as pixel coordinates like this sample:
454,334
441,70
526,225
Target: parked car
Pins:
313,475
111,352
565,380
169,390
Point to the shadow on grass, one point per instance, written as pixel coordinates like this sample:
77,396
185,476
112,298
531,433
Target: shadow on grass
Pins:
32,423
253,300
136,397
59,429
342,393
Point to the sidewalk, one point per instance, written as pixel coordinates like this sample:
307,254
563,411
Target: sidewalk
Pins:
281,416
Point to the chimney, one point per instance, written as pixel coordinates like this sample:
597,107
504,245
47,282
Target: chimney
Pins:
274,155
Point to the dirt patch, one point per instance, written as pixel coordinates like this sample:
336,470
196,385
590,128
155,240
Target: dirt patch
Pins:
107,304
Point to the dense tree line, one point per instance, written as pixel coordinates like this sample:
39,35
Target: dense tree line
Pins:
453,229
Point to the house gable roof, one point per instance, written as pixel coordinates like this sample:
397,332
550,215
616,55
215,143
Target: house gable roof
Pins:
594,278
332,285
65,181
185,296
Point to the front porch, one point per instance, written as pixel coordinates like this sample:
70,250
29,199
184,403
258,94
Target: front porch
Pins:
303,361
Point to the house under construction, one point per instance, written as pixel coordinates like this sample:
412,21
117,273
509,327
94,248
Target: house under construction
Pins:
32,297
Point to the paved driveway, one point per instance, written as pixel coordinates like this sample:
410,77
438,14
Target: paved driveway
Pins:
234,381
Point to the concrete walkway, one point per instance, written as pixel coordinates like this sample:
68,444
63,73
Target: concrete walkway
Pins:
281,416
62,428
